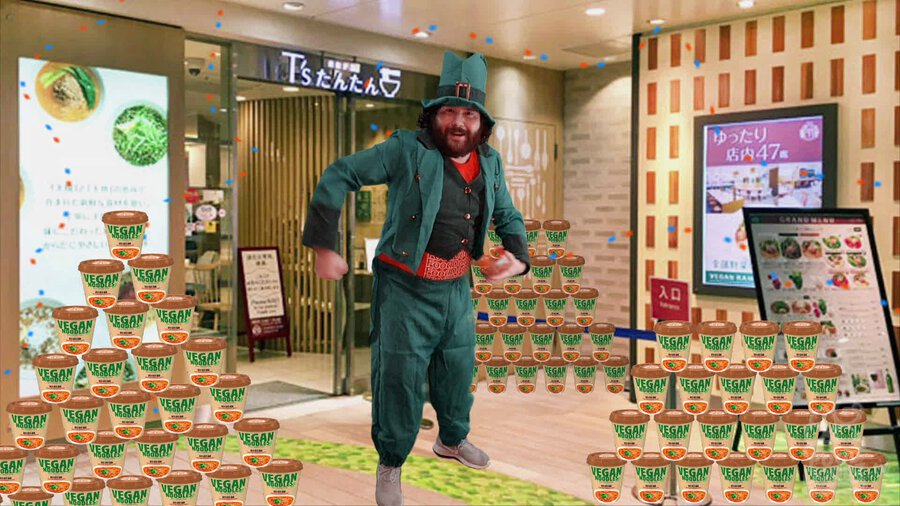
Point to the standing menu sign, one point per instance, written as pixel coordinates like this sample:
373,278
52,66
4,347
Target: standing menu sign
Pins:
822,266
263,294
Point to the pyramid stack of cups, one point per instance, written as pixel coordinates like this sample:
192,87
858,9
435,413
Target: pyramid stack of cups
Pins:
553,345
717,427
128,406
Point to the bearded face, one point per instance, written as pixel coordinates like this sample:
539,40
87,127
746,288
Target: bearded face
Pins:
457,130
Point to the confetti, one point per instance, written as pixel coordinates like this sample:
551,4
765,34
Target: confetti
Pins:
48,47
860,182
473,35
211,66
697,63
688,230
788,284
7,372
612,238
416,30
65,214
803,172
220,12
68,184
31,332
388,132
83,27
209,98
40,292
489,40
747,158
552,256
764,163
155,410
62,225
22,83
229,182
56,140
743,247
33,262
37,56
642,44
243,173
68,171
379,65
27,96
712,110
527,53
829,282
214,55
167,199
373,127
254,149
212,109
584,64
432,28
773,276
101,21
601,64
877,184
671,228
39,250
218,24
728,240
237,139
884,302
48,127
544,57
40,304
657,30
629,233
687,46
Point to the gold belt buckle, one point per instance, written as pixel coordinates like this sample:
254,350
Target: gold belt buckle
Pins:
463,86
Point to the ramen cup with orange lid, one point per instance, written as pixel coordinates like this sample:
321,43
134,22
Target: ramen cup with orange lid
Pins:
571,336
206,442
497,369
229,396
695,388
606,476
532,231
555,371
866,475
130,490
12,469
56,466
526,306
557,234
717,430
759,344
154,364
846,427
281,479
526,374
75,328
85,492
128,412
205,358
125,233
736,471
150,273
779,386
174,315
571,269
555,302
180,488
693,477
778,476
541,336
651,470
105,370
650,382
630,426
821,387
674,340
31,496
156,449
615,369
585,302
717,338
80,416
541,273
127,320
601,338
737,388
257,437
28,421
229,485
485,334
100,280
802,340
513,336
107,453
674,429
821,477
585,371
176,407
802,430
759,434
55,375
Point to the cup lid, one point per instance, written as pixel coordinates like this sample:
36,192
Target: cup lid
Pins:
61,451
176,302
586,361
539,328
823,459
485,328
157,436
571,328
130,482
652,459
26,494
203,344
651,371
105,355
130,396
512,328
179,391
673,417
180,477
779,459
497,293
257,425
101,266
759,328
107,437
526,361
802,328
801,417
868,459
555,293
124,217
735,459
87,484
674,328
542,261
532,225
201,430
231,472
75,313
586,293
570,261
526,293
497,361
9,452
282,466
154,350
824,371
232,381
127,307
695,371
604,459
556,225
695,459
602,328
717,328
82,402
556,362
616,361
846,416
151,261
779,371
736,371
28,407
628,416
758,417
717,417
54,361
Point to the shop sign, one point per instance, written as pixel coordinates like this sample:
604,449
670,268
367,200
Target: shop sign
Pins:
335,75
669,299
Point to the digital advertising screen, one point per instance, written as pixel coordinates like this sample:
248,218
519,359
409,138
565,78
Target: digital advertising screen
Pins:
91,140
763,159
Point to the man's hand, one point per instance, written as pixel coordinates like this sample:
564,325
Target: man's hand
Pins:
329,264
507,266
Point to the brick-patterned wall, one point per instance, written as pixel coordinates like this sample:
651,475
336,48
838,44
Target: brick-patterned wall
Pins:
846,53
597,179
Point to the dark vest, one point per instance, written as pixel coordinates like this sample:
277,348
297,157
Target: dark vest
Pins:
459,216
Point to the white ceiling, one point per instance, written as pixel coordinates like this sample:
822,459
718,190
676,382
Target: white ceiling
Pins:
558,28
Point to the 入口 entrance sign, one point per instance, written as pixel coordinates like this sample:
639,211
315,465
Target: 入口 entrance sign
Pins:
669,299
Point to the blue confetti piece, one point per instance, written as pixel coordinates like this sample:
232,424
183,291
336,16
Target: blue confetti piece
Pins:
718,130
696,63
66,214
489,40
728,240
155,410
254,149
167,200
552,256
22,83
877,184
671,229
373,127
432,28
211,66
48,127
212,109
829,282
601,64
773,276
820,176
764,163
544,57
101,21
656,30
30,333
7,372
68,171
884,302
39,250
40,292
218,24
612,238
379,65
229,182
48,47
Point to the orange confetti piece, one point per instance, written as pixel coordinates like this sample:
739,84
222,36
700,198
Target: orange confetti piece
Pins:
27,96
416,30
688,230
56,140
584,65
747,158
68,183
213,55
712,110
33,262
860,181
629,233
388,132
642,44
82,27
209,98
237,139
528,52
743,246
802,172
788,284
37,56
367,83
243,173
62,225
688,46
473,35
220,12
40,304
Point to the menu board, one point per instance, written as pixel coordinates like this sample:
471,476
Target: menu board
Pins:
262,292
823,266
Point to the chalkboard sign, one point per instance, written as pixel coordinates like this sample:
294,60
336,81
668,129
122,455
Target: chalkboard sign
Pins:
265,315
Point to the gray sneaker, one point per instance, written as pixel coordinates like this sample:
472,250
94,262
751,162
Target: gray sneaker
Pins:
467,453
387,487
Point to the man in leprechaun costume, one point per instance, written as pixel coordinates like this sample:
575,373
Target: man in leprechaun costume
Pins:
446,185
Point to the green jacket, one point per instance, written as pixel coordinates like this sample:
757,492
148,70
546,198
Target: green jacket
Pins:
412,167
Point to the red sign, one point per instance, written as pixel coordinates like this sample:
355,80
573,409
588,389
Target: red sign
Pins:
670,299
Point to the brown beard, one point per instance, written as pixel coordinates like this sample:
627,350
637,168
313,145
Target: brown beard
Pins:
441,138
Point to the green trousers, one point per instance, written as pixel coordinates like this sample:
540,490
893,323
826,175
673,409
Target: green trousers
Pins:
423,335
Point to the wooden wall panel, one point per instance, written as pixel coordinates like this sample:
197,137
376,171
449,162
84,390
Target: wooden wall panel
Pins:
722,314
895,290
837,77
724,89
807,29
696,318
897,32
673,142
837,24
778,84
651,187
673,269
651,143
868,74
867,128
750,35
699,88
897,69
649,272
672,230
897,181
675,50
650,233
778,30
867,182
747,316
897,125
648,325
869,19
749,86
651,98
700,45
650,355
806,80
725,42
896,248
675,96
653,53
673,186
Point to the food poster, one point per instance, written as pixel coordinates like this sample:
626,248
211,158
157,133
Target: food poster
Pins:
772,163
91,140
820,267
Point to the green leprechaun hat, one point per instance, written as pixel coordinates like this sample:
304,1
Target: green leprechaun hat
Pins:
462,83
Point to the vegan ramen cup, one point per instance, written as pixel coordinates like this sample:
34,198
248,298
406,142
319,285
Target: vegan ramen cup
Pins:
75,328
601,339
693,477
555,302
802,430
130,490
779,385
557,235
846,427
156,449
56,466
866,474
606,476
150,273
484,341
176,407
476,300
555,372
717,430
759,434
105,370
526,374
513,284
496,247
802,340
541,273
229,485
125,233
717,338
100,280
28,421
257,437
821,477
614,371
585,302
205,358
481,285
585,369
674,429
206,442
55,375
497,370
281,478
229,396
541,336
571,336
85,492
498,306
674,340
736,471
80,415
180,487
650,382
513,336
778,473
127,320
651,471
31,496
821,387
107,453
154,364
630,426
759,344
695,388
532,231
128,412
737,388
526,306
571,269
12,469
173,318
474,386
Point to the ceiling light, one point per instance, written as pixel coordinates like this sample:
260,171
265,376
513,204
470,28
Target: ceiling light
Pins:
370,105
293,6
745,4
656,21
421,34
595,11
240,98
223,110
290,89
